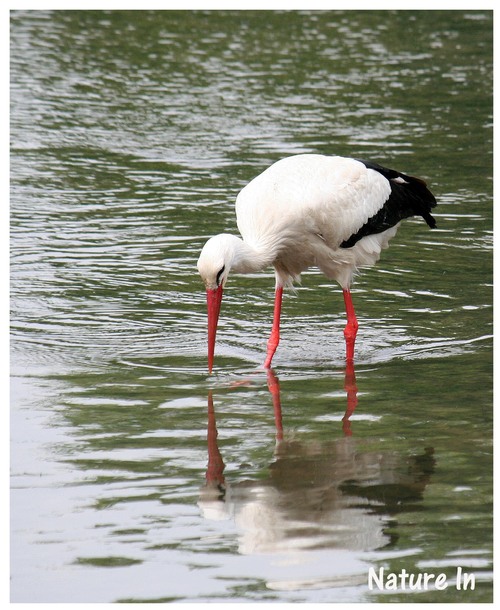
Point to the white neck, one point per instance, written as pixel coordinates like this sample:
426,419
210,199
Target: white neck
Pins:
245,258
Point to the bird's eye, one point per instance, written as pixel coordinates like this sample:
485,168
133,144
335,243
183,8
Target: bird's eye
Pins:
217,279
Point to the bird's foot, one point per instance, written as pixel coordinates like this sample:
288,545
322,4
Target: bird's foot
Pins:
269,357
272,346
350,332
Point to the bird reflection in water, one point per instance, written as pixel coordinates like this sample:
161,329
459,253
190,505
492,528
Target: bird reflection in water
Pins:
340,494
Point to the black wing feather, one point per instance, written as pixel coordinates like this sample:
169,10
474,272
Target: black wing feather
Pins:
409,197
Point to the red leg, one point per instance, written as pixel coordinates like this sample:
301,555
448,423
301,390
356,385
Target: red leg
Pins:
274,339
351,328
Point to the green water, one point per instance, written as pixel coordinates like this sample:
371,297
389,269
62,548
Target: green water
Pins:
135,476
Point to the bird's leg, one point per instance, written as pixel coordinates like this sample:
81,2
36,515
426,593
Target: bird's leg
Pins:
274,339
351,327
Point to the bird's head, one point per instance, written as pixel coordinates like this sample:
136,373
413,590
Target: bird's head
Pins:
216,259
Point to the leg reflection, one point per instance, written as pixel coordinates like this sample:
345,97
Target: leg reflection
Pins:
215,467
274,387
352,396
349,385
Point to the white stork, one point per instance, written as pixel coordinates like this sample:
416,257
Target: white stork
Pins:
307,210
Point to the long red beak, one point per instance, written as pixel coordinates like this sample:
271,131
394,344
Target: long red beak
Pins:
214,299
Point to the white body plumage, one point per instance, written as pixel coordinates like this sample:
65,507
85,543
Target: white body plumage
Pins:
302,208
